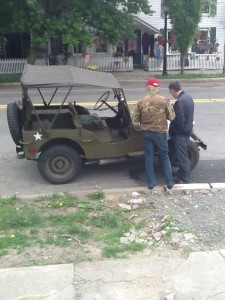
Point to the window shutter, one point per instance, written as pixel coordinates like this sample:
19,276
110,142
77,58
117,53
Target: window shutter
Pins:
162,31
212,35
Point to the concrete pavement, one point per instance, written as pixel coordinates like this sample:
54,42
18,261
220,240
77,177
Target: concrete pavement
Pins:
200,276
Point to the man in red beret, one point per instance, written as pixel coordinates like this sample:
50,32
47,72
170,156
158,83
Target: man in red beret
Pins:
152,113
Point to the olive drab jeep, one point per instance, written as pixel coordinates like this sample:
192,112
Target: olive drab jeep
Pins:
63,134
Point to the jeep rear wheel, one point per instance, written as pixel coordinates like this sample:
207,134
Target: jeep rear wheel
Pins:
193,153
59,164
14,118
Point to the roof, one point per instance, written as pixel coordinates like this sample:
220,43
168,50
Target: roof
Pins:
146,25
65,76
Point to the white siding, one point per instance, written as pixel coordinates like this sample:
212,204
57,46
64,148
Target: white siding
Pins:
206,22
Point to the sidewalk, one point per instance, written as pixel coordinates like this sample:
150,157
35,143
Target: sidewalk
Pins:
198,277
140,75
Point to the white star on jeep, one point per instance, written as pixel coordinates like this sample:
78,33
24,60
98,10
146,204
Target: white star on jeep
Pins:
37,136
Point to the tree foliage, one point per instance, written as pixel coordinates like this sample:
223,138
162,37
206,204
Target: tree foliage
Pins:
184,16
75,21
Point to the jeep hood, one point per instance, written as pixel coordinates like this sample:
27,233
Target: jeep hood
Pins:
65,76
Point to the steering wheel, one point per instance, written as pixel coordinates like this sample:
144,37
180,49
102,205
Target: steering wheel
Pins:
103,100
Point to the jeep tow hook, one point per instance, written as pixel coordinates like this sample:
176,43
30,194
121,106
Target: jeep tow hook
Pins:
198,141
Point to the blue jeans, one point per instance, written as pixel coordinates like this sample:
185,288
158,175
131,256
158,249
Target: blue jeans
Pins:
181,149
153,141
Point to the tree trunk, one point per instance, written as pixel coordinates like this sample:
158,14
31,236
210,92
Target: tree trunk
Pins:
32,55
66,53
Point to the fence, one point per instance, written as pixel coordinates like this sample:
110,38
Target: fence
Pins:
16,66
124,64
106,63
193,62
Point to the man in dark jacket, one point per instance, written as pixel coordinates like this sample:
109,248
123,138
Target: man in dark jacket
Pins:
180,130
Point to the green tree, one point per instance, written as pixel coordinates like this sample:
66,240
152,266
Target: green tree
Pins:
75,21
185,17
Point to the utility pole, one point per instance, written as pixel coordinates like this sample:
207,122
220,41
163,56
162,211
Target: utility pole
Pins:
165,10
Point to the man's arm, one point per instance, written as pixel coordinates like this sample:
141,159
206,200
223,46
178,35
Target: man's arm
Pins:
170,114
178,122
136,115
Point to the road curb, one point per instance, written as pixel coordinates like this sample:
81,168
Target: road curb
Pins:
177,187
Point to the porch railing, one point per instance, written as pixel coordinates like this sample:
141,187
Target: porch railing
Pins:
193,62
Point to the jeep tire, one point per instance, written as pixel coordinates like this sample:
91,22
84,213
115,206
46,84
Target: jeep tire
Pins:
59,164
193,153
14,117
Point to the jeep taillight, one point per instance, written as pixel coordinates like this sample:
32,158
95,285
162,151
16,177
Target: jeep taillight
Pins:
32,149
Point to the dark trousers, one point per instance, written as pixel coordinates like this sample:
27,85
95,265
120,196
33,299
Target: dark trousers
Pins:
181,148
152,141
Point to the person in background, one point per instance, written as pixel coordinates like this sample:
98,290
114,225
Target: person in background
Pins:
152,113
160,55
180,130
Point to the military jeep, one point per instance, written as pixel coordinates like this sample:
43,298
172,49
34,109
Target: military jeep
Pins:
63,134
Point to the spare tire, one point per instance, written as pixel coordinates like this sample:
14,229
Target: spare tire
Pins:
14,117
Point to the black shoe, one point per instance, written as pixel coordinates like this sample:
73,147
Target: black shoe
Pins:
150,187
170,186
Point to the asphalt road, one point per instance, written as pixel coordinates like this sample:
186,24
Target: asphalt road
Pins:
22,177
211,91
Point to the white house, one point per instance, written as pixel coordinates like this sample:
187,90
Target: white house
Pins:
149,31
210,28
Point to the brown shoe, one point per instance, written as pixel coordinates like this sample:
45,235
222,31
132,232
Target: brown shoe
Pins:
177,180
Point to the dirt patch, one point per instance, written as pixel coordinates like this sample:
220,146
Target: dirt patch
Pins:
166,222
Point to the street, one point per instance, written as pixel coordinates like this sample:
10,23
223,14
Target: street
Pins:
22,176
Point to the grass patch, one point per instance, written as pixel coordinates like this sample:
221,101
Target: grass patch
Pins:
59,241
191,76
120,251
97,195
82,233
63,220
58,201
15,241
15,78
19,217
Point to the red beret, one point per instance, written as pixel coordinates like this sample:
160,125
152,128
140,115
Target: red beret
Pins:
153,81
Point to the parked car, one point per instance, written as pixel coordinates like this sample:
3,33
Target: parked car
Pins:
64,136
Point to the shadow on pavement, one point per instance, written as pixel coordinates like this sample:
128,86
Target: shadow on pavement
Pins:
207,171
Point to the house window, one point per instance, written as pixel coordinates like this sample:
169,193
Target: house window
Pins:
79,49
101,47
205,9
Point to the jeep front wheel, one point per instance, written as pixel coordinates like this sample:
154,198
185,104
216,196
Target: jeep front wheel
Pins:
59,164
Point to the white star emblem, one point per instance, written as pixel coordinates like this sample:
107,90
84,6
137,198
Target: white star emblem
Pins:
37,136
